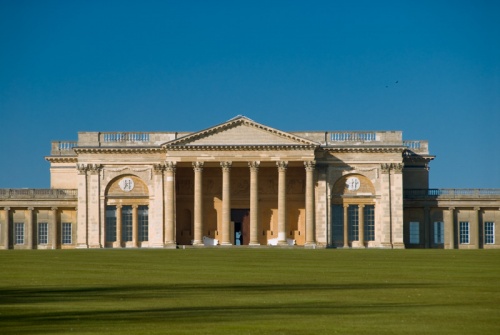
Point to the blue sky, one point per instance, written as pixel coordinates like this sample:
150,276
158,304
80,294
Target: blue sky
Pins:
69,66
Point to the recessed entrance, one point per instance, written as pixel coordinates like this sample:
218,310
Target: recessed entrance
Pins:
240,226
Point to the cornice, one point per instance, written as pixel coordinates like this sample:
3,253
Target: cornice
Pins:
134,150
375,149
288,147
62,159
235,122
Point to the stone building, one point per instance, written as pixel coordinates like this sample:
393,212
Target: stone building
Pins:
244,183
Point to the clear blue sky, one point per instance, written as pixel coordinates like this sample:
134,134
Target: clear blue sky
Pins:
69,66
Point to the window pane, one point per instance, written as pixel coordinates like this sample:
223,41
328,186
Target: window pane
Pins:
464,232
110,223
338,224
369,217
127,223
43,236
19,233
489,232
414,232
353,222
66,233
143,223
438,232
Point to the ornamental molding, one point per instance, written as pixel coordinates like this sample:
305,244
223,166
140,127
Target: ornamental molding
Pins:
128,150
232,123
62,159
350,169
356,149
282,147
128,168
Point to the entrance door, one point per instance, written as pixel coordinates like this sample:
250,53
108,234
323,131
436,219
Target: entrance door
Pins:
240,219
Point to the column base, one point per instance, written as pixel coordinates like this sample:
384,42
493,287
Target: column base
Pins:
226,244
398,245
170,245
82,246
310,245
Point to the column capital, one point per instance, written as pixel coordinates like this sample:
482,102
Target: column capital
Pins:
254,165
198,166
6,208
170,166
158,168
119,206
94,168
309,165
30,208
135,206
361,205
477,209
451,208
398,167
385,167
226,166
282,165
54,208
82,168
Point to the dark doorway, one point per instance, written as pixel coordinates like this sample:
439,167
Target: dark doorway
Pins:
241,221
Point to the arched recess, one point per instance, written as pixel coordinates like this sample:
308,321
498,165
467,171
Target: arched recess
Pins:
127,212
352,212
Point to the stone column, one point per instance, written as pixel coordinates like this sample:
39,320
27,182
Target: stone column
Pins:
226,203
282,166
157,212
54,229
361,225
449,228
475,231
83,206
135,226
119,226
346,226
170,204
198,203
254,202
93,240
30,229
6,232
310,231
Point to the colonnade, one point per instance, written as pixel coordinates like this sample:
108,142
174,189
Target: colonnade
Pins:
254,202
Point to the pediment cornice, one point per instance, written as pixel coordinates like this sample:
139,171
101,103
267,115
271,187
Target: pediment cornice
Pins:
62,159
376,149
240,147
288,139
127,150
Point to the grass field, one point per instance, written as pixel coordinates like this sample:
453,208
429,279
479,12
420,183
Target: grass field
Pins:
250,291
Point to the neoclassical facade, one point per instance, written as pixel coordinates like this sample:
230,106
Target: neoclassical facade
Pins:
242,183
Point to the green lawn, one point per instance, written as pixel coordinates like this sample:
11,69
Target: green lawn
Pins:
250,291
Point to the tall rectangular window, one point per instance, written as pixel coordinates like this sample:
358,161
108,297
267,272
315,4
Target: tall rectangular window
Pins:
67,237
464,232
338,224
143,223
353,222
489,232
19,233
127,223
438,232
43,233
414,232
110,225
369,218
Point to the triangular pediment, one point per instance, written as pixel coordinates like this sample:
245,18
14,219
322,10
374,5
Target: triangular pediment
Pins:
241,131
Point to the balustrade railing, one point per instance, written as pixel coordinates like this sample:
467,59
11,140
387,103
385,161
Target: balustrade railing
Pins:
452,193
353,136
124,137
38,193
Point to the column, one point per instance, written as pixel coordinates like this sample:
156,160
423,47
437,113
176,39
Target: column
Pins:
54,229
119,226
449,228
226,203
475,231
310,237
198,203
346,227
30,229
6,231
282,166
135,226
254,202
361,225
170,204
